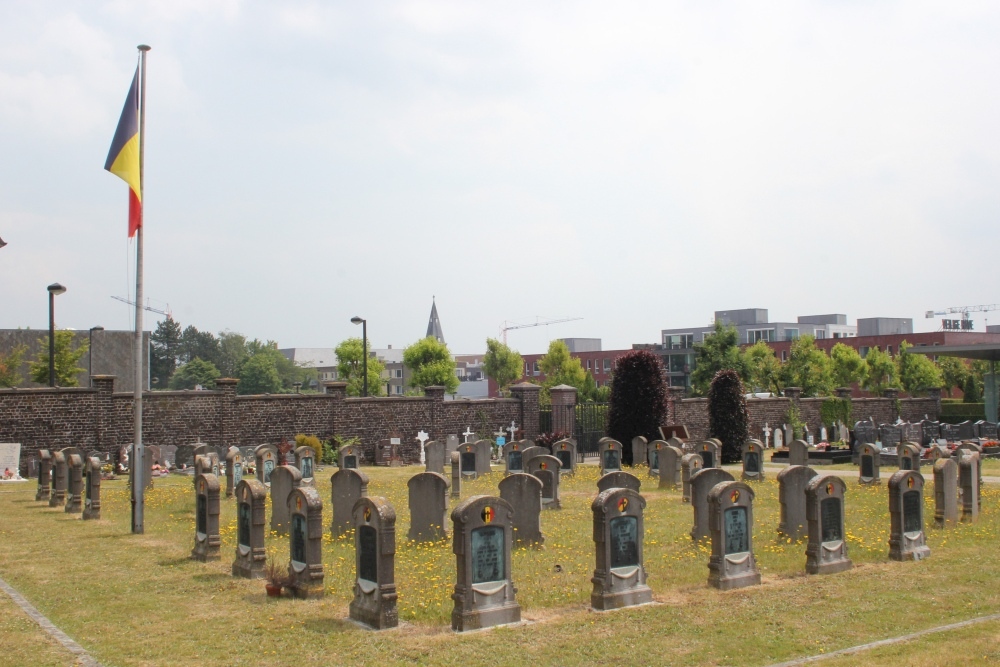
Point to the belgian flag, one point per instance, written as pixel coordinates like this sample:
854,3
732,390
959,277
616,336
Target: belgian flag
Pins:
123,158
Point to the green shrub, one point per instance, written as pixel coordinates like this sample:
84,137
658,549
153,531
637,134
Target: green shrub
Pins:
638,403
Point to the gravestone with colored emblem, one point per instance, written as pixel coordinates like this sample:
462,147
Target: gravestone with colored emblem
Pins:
639,446
60,473
710,452
546,469
428,494
826,552
653,451
374,602
251,502
792,482
906,517
565,451
619,479
512,457
868,469
945,492
92,489
484,588
467,454
434,456
732,564
530,450
968,482
753,461
908,456
620,574
349,457
266,460
74,483
234,470
283,480
702,482
346,486
524,493
690,464
670,466
609,455
206,518
305,461
44,475
305,566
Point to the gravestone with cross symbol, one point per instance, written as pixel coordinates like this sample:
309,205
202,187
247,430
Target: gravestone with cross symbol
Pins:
422,437
767,436
468,434
513,431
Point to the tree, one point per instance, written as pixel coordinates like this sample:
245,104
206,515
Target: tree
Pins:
728,419
502,364
881,371
350,368
165,348
588,391
953,373
917,373
764,368
10,366
847,366
808,367
719,351
200,344
259,375
232,353
194,373
430,365
971,390
66,361
560,367
638,404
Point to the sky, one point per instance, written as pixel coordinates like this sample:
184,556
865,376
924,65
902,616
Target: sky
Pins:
638,165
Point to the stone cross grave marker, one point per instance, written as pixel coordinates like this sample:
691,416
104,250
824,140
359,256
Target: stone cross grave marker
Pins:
513,431
456,474
422,438
305,461
251,502
767,435
546,469
798,453
732,564
908,456
670,466
968,482
618,479
906,512
565,451
349,457
10,460
305,565
753,460
609,454
283,480
206,526
619,574
868,473
266,459
234,470
92,489
44,474
792,483
346,486
639,446
512,458
57,495
702,482
524,493
690,464
434,453
467,434
484,588
945,492
374,603
428,493
826,552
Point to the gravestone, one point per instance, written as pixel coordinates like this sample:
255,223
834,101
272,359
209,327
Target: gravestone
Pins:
387,451
779,439
283,480
945,492
305,563
10,460
60,474
565,451
266,460
346,486
798,453
690,464
512,458
468,453
305,461
456,474
792,483
529,450
484,589
935,452
908,455
374,602
653,454
710,452
753,461
428,507
702,483
868,471
434,453
966,430
620,574
826,552
972,450
206,525
609,455
484,454
92,489
349,457
931,431
251,502
234,470
890,435
451,443
670,466
546,469
619,479
968,482
154,452
639,446
911,432
524,494
906,512
202,464
987,430
950,432
864,432
732,564
168,455
184,456
44,474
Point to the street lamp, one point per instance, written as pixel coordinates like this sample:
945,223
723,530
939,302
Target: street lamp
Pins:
364,348
54,289
90,353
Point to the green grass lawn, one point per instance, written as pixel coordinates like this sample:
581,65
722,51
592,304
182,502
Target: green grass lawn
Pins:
140,600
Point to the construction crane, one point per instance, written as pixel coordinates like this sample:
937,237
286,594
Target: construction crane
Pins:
506,326
965,324
147,307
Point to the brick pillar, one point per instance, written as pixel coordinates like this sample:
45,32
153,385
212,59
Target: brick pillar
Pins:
794,393
935,394
338,390
105,386
528,394
843,392
563,409
891,392
436,395
674,396
228,424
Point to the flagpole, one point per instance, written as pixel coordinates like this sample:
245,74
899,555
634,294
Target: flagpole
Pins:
138,451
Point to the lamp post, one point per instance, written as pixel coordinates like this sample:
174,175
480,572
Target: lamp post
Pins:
364,348
90,353
54,289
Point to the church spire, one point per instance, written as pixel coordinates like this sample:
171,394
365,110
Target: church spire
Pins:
434,324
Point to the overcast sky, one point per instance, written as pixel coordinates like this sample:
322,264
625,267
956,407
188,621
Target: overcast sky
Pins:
637,165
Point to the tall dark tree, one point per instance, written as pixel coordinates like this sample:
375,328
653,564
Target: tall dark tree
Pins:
728,419
165,344
199,344
638,404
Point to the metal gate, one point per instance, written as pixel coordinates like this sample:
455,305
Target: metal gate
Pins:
591,425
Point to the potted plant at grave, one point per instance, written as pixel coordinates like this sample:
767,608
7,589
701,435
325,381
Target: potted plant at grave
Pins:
275,577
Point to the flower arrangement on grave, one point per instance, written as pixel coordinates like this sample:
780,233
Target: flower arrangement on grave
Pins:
275,577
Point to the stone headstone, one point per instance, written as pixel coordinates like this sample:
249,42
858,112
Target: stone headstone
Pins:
346,486
911,432
988,430
653,455
428,492
60,473
690,464
908,456
374,602
710,453
529,450
266,460
234,470
966,430
620,574
92,489
930,431
890,435
524,493
609,455
44,474
484,453
788,433
826,552
283,480
950,432
484,589
670,467
792,483
184,456
968,482
74,483
451,443
251,501
10,460
434,456
732,564
565,451
349,457
702,483
468,453
779,439
639,446
864,432
456,474
206,527
868,472
168,454
619,479
305,566
906,512
798,453
945,492
305,461
753,460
